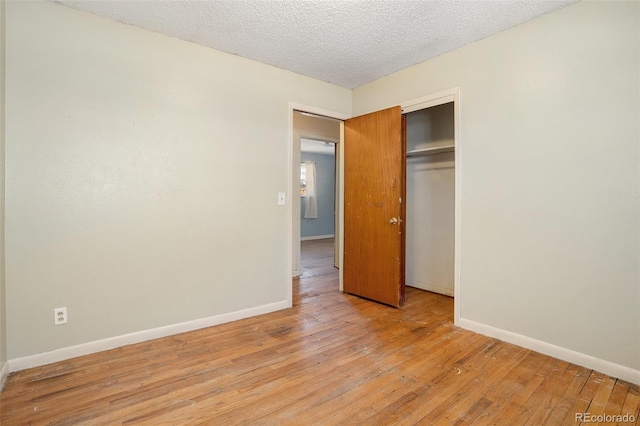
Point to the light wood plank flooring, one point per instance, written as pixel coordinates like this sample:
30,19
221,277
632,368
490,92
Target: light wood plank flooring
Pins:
332,359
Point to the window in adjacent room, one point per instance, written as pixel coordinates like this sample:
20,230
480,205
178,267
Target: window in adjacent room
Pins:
303,180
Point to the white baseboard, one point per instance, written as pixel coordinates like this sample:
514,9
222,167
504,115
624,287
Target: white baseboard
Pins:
574,357
62,354
4,373
316,237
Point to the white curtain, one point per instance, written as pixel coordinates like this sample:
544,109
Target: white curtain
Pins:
311,202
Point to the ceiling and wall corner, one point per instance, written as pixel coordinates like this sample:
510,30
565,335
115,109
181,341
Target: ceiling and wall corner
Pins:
341,42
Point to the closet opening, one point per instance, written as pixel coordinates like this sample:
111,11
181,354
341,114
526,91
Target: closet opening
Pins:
430,205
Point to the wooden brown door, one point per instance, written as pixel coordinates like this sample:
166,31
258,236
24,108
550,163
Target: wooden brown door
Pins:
374,181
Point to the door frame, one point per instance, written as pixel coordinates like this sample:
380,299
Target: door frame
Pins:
293,153
428,101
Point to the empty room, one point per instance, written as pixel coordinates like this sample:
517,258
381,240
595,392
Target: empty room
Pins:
319,212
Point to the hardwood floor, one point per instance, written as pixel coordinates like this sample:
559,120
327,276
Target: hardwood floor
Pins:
331,359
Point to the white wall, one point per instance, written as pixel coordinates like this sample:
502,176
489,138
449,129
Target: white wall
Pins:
311,127
550,176
324,223
3,321
142,178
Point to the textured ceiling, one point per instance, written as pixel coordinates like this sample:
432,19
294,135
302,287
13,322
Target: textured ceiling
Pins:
345,42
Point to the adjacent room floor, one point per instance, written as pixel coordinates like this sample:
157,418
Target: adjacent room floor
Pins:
331,359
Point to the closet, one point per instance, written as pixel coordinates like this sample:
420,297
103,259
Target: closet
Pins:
430,199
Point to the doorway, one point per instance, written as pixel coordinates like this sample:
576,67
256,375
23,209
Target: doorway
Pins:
318,217
447,96
315,138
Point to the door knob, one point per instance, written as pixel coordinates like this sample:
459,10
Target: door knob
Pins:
393,221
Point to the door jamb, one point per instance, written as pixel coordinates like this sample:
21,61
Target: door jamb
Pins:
439,98
294,196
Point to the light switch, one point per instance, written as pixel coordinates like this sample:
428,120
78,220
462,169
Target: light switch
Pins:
281,198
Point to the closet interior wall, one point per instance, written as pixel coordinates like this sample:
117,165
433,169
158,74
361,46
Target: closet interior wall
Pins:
430,193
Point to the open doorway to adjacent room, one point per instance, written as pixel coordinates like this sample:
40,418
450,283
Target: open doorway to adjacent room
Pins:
317,206
316,213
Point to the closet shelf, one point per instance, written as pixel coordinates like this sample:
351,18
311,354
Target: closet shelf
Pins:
430,151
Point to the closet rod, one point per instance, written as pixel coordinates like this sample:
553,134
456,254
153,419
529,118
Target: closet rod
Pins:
430,151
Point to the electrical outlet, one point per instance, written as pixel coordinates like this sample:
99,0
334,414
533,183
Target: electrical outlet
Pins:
59,316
